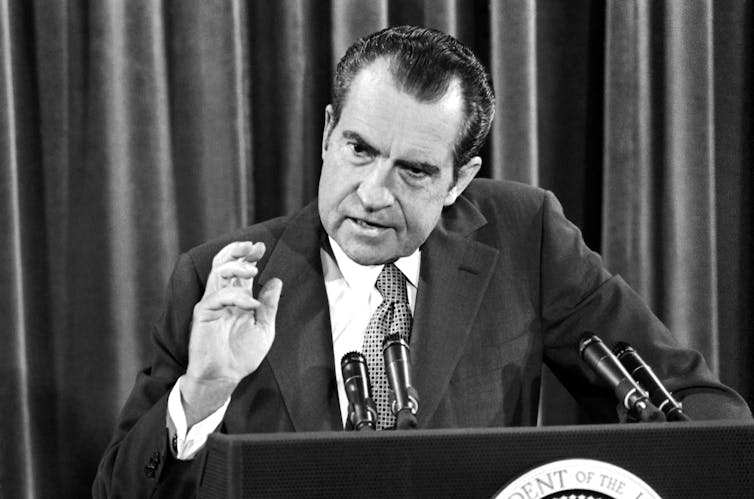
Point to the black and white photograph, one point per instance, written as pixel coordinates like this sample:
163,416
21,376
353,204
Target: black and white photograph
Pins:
377,248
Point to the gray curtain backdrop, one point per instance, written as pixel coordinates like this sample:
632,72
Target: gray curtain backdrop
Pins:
131,130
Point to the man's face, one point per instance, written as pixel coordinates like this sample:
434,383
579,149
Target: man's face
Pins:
387,167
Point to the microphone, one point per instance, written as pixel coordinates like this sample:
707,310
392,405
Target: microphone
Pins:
362,412
643,374
606,365
404,401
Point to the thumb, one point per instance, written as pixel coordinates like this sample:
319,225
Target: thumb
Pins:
269,296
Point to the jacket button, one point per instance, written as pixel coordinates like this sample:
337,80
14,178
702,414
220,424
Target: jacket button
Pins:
150,470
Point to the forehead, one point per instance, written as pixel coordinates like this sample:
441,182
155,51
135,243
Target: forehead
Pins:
399,124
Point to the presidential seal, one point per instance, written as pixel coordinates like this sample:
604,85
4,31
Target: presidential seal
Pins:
577,479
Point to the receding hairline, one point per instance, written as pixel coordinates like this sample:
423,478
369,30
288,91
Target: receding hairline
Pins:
388,64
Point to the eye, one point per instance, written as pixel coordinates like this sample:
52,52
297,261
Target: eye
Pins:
415,172
358,149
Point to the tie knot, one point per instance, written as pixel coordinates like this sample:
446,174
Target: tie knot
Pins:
391,283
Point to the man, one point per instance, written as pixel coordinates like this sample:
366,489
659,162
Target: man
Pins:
494,279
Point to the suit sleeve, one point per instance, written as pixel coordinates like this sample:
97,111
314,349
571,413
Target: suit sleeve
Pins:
138,461
579,295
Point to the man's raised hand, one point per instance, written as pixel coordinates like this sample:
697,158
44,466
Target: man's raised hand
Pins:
232,331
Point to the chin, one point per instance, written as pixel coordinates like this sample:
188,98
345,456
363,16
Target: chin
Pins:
368,256
370,259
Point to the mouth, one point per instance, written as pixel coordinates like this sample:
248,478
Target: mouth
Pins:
368,225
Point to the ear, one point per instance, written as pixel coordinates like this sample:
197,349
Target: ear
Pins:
329,125
465,175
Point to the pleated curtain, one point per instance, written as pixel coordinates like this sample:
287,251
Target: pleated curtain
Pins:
132,130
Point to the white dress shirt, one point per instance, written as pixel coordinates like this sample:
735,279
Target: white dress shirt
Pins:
353,298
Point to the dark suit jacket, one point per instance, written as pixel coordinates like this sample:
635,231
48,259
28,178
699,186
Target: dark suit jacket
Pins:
506,283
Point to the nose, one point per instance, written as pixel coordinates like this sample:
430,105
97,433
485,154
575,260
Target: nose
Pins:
374,189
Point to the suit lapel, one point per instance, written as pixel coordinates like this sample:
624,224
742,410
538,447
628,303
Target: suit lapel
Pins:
455,272
301,356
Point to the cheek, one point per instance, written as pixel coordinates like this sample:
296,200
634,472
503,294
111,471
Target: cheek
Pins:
334,186
421,218
329,177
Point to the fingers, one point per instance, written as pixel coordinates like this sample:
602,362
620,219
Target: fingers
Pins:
234,265
230,296
239,250
241,269
229,284
269,297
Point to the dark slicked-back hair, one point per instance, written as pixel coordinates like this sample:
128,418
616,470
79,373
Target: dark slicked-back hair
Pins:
423,63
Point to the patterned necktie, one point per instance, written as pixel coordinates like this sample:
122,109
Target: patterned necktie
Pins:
391,317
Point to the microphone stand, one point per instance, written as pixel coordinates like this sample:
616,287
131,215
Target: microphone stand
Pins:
405,419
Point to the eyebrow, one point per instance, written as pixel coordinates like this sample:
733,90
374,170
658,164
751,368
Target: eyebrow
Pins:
428,168
349,135
425,166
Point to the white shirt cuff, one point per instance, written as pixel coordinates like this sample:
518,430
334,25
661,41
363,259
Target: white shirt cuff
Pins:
185,442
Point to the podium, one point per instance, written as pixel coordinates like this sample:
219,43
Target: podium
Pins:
677,460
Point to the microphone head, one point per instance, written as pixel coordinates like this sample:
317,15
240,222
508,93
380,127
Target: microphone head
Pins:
362,412
393,338
354,367
396,354
587,338
352,357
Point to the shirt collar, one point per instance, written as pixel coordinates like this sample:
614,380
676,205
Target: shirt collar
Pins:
358,276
